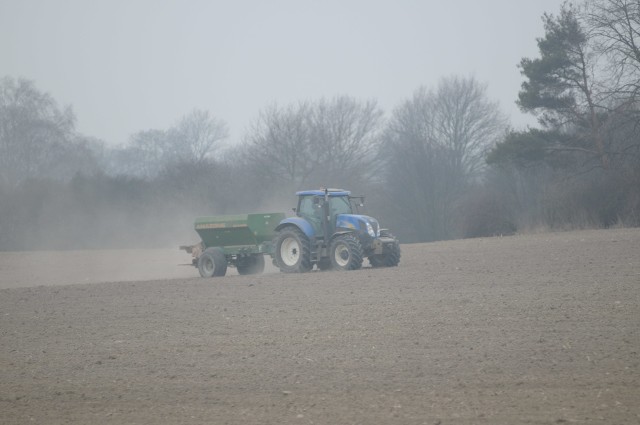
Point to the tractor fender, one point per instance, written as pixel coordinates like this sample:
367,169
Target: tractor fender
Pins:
340,233
300,223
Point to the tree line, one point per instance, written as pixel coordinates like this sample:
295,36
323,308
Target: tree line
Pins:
445,163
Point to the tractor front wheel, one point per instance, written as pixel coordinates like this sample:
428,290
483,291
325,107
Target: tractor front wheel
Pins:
212,263
390,256
346,253
292,251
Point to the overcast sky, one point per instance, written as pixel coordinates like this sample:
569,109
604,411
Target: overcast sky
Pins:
131,65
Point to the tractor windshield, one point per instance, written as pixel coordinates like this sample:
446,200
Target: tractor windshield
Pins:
339,205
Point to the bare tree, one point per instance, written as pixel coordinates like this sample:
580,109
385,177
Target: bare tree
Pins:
193,140
279,145
434,147
37,137
313,143
467,123
146,154
196,136
615,25
345,136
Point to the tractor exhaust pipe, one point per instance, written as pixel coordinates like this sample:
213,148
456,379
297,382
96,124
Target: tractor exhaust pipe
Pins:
327,219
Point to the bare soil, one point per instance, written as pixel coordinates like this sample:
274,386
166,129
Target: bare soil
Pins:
540,329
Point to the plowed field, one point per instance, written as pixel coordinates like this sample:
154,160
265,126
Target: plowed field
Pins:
540,329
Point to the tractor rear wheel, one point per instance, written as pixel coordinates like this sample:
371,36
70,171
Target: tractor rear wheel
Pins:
346,253
292,251
253,264
212,263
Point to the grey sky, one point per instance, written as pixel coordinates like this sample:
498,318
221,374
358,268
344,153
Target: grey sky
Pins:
127,66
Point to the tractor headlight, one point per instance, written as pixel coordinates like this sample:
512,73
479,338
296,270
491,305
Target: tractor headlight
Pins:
370,230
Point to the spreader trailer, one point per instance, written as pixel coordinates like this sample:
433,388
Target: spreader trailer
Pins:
240,241
326,232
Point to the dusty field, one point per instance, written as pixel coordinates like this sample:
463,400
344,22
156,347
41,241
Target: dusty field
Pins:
541,329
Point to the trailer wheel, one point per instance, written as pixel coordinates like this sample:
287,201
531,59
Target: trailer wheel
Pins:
292,251
346,253
253,264
212,263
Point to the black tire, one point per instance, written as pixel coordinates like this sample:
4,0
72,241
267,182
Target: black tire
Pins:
292,251
346,252
253,264
390,256
212,263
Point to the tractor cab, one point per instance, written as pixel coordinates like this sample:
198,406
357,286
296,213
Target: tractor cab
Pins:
331,211
314,205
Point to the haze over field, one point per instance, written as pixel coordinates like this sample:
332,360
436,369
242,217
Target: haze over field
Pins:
130,66
122,121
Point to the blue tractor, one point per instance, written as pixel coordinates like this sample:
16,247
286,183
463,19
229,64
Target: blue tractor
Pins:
328,231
